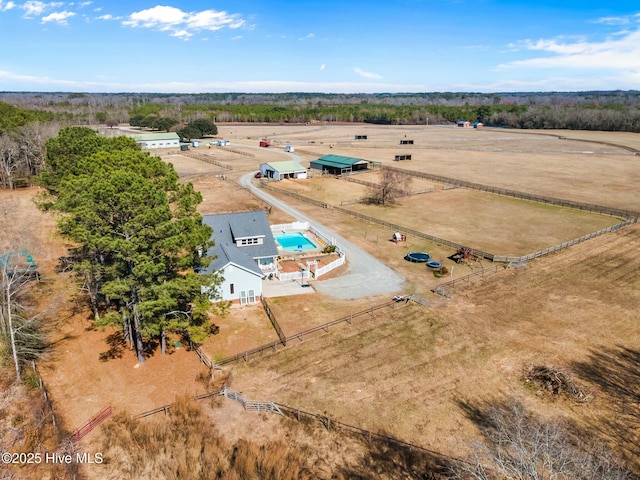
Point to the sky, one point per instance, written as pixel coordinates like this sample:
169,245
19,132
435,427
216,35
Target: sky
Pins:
329,46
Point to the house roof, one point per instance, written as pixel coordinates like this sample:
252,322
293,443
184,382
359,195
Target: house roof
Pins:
338,161
286,167
227,228
146,137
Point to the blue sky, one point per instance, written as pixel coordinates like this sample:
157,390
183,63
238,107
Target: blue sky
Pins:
319,46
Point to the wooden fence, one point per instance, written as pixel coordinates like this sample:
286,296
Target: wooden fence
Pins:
165,408
274,322
397,191
239,152
560,246
273,346
204,358
445,461
45,395
206,159
80,432
266,186
445,289
616,212
631,218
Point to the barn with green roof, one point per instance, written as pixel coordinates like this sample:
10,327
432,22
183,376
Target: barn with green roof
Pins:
339,165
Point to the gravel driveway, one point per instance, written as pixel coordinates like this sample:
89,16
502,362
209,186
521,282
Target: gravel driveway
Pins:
365,275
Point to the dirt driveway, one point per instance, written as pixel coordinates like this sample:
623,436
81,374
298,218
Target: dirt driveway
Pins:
365,275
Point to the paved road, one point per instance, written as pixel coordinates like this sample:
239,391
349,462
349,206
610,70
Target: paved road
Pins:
365,275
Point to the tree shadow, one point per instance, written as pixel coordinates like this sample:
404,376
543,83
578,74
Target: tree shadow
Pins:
117,346
616,373
386,457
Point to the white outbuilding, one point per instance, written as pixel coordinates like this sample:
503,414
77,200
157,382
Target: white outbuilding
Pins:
282,170
157,140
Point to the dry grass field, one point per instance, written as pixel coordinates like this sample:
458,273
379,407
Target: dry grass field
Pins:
408,371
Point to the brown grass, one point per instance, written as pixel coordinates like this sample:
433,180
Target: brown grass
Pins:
407,372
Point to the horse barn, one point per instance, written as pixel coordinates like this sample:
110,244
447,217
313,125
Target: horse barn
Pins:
157,140
339,165
282,170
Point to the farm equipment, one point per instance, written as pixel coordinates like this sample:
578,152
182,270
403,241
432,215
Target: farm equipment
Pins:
265,143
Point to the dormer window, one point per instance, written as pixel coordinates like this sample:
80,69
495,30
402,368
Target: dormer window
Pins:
250,241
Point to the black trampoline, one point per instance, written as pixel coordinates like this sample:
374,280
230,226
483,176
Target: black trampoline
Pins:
417,257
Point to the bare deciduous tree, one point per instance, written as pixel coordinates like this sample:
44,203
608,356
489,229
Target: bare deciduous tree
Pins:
20,327
520,445
392,184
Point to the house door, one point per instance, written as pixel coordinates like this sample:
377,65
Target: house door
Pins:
243,297
252,296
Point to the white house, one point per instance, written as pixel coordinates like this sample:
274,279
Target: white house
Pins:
282,170
244,253
157,140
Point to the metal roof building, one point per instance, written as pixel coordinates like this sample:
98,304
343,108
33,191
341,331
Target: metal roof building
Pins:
339,165
157,140
281,170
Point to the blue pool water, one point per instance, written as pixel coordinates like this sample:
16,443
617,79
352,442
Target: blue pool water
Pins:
294,242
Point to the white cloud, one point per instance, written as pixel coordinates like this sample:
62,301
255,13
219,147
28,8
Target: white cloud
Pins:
183,34
237,37
308,36
183,24
33,8
620,53
322,66
7,6
58,17
365,74
623,20
108,16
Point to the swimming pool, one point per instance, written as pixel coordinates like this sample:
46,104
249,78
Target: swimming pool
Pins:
294,242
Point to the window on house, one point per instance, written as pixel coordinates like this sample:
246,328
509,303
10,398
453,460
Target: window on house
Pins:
249,241
232,289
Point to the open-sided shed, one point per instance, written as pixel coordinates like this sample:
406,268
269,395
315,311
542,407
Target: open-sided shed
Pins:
339,165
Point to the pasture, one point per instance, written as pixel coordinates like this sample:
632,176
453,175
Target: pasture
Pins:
408,371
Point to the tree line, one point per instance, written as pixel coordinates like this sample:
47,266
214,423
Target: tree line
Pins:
598,110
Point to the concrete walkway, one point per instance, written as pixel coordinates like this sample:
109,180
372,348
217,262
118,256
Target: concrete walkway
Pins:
365,275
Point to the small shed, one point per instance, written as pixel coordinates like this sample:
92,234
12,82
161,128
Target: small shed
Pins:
361,137
406,142
464,123
339,165
398,158
477,125
282,170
